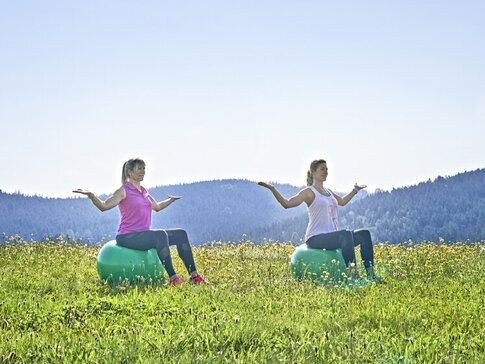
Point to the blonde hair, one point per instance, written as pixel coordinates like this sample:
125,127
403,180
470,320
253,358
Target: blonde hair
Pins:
129,166
313,167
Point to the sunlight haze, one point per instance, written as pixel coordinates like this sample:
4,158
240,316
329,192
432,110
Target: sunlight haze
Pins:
389,93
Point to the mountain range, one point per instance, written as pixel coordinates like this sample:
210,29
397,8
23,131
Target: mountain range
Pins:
451,208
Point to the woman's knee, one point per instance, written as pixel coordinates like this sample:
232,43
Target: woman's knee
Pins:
178,237
345,237
162,239
182,235
162,244
183,240
362,236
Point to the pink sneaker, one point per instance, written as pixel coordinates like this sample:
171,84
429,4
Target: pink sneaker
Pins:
175,281
198,279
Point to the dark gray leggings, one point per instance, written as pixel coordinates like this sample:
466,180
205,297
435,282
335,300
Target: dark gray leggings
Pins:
346,240
161,240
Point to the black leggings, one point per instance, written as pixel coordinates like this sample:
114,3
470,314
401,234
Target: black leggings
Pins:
161,240
346,240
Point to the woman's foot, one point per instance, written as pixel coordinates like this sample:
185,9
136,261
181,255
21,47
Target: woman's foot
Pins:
175,281
198,279
353,272
372,276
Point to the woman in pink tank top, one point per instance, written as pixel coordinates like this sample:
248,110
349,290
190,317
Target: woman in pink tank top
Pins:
322,230
134,232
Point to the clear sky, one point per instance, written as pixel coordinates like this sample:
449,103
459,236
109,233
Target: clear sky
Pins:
390,93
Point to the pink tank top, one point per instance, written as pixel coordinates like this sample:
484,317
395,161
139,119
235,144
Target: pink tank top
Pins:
322,215
135,210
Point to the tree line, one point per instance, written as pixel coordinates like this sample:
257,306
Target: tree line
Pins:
452,208
449,208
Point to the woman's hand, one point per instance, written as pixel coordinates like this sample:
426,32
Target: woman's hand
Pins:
357,187
174,198
83,192
266,185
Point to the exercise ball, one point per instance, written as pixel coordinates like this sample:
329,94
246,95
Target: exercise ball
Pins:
116,264
320,265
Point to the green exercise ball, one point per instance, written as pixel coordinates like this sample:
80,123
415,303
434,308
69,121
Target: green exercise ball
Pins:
320,265
116,264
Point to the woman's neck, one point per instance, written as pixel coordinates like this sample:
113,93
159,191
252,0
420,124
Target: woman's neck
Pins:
136,184
319,185
320,188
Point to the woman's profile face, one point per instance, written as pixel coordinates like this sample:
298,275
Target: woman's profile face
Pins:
138,173
321,173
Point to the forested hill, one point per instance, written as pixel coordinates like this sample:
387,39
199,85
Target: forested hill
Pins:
214,210
452,208
449,207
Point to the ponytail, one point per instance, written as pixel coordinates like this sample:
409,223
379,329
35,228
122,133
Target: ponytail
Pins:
309,178
124,174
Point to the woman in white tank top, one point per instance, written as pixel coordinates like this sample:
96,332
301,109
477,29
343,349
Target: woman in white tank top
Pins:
322,231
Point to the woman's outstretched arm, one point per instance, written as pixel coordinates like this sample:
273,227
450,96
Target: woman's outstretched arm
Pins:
304,195
342,201
159,206
111,202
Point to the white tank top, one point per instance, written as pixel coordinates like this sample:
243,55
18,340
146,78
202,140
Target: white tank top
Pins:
322,215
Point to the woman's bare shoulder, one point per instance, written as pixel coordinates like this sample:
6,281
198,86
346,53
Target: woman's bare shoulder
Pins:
120,192
306,190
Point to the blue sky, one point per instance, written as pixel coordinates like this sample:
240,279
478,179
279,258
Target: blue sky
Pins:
391,93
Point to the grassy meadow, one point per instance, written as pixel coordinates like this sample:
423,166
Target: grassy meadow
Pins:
428,309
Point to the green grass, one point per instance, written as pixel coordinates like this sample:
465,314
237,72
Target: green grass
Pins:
430,309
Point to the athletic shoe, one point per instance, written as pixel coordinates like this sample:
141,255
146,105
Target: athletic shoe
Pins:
376,279
198,279
175,281
372,276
